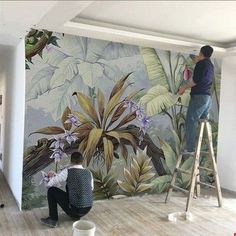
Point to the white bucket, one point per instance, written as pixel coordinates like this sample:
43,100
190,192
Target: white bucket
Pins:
83,228
176,215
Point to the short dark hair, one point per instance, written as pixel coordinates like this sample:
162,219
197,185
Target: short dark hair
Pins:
206,51
76,158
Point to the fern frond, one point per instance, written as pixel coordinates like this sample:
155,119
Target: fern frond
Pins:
137,178
105,186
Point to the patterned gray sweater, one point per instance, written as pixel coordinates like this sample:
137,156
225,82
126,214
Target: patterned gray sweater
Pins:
79,187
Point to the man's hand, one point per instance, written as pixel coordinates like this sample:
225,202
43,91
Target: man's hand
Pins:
196,59
181,90
51,174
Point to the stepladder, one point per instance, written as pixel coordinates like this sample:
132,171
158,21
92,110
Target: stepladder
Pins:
195,180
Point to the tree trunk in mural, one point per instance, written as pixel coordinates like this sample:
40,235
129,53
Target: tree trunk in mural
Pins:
152,150
36,158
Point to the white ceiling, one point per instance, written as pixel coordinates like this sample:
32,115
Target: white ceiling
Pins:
17,17
174,25
213,21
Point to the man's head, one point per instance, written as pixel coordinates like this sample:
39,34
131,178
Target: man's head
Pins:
205,52
76,158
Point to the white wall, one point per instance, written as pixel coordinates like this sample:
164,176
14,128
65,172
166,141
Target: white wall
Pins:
14,109
4,50
227,125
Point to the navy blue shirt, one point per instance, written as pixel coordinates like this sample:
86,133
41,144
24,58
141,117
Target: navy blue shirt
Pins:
203,77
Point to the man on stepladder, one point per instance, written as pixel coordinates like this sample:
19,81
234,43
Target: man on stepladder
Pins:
200,101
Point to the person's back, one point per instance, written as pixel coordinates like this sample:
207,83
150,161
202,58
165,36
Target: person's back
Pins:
78,198
79,187
203,77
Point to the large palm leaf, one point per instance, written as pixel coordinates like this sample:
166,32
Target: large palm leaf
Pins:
109,118
165,72
157,100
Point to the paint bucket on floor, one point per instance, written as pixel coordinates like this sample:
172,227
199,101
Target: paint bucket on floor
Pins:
83,228
176,215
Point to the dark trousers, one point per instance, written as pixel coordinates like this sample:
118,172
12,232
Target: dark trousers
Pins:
57,196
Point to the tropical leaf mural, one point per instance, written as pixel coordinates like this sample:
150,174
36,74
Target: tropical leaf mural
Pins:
137,178
105,186
171,152
67,69
108,100
99,132
157,100
40,83
80,57
62,96
166,71
155,70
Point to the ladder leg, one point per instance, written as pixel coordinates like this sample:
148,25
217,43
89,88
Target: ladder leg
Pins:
192,186
211,150
195,168
173,178
198,187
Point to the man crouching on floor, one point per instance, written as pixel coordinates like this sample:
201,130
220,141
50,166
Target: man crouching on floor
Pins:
78,199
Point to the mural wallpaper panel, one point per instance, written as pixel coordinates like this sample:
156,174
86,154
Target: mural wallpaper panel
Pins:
115,103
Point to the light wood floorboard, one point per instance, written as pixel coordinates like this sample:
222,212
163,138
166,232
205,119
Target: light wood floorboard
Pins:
138,216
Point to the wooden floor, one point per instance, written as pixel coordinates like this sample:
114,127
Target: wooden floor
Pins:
146,216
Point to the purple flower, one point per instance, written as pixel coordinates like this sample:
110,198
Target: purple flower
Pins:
144,123
140,113
70,138
130,105
58,154
72,119
58,143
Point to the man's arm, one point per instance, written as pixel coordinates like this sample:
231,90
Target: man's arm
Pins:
59,178
197,76
182,88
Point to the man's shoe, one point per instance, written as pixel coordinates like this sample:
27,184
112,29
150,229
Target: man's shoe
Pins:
49,222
